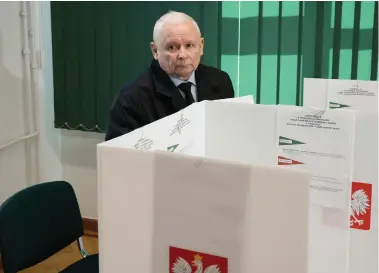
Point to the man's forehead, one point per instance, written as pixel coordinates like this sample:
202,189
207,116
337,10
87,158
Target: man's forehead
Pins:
179,34
180,38
187,28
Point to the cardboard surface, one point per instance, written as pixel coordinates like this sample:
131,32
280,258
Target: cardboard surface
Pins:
361,96
341,94
338,147
364,239
157,207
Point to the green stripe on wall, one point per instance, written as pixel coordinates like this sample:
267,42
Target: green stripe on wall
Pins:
229,63
355,48
337,40
364,55
300,60
346,55
374,59
288,63
248,63
309,39
327,39
269,63
330,39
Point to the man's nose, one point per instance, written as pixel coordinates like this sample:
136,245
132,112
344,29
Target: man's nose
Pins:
182,54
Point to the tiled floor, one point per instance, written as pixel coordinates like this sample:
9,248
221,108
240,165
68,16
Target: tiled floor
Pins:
64,258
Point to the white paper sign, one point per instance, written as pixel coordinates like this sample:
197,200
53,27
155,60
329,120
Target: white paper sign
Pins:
341,94
354,95
321,142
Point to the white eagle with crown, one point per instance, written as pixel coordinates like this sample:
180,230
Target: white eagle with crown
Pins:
182,266
360,202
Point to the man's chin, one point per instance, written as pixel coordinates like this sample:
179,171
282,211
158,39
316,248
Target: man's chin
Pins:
184,73
183,77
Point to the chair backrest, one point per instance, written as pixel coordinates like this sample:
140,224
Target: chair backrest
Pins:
37,222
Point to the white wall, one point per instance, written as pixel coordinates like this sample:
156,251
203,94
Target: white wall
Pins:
79,167
12,158
67,155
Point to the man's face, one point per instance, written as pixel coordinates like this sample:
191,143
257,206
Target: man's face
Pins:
179,49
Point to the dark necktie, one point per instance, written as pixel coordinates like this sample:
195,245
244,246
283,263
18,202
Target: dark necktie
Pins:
186,88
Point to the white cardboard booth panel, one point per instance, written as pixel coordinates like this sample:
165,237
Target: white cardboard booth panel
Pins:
362,97
161,210
364,223
299,138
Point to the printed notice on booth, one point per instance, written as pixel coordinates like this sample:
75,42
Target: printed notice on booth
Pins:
320,142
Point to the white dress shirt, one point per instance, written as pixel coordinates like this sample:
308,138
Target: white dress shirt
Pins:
192,80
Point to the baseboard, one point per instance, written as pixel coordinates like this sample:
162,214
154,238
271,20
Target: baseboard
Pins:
90,227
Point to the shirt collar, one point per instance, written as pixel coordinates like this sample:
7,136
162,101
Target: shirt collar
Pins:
177,81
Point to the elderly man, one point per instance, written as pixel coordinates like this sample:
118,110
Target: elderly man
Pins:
174,80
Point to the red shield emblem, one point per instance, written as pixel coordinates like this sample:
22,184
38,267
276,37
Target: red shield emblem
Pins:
188,261
360,207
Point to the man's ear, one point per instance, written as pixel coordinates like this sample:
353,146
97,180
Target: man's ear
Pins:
154,50
201,46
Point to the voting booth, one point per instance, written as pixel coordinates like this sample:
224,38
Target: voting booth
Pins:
279,140
159,211
169,200
360,97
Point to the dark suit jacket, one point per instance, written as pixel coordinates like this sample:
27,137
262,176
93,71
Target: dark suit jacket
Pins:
154,96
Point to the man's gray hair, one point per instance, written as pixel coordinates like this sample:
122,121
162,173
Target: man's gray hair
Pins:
172,17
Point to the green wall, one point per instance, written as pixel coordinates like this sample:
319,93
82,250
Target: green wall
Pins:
266,47
274,45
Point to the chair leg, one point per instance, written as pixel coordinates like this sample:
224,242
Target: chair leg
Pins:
81,248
